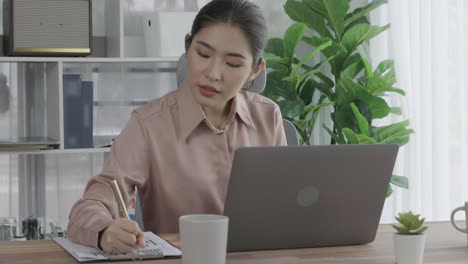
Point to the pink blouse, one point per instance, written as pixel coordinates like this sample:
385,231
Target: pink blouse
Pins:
179,162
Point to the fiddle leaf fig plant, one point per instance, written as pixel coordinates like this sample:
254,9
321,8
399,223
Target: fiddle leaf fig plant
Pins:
336,73
290,84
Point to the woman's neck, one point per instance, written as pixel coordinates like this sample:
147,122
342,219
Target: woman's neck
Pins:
218,116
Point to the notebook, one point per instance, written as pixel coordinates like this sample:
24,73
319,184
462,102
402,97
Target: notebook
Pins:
156,247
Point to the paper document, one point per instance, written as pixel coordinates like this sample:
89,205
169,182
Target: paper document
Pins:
156,247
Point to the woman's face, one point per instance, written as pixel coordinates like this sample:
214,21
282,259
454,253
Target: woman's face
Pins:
219,62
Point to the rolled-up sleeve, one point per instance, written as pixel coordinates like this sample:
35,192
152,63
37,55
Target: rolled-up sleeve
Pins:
128,163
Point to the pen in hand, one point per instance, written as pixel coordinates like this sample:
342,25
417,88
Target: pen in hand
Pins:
123,235
119,198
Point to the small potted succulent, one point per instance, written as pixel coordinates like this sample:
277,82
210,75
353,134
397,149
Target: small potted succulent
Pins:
410,238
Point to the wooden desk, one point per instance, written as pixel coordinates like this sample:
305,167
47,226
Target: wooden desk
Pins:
443,245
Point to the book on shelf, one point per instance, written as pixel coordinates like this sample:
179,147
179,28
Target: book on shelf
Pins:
77,112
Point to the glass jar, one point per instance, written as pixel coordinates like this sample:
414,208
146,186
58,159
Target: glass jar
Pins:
7,228
34,228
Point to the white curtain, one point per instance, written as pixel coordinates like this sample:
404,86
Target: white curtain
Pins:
427,42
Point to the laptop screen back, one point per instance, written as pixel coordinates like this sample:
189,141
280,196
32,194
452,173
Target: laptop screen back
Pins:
307,196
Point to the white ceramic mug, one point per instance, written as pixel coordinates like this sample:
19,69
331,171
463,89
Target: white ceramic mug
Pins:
452,218
203,238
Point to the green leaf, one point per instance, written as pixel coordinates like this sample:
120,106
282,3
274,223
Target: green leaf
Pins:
337,10
322,87
400,181
386,71
396,133
389,192
378,86
384,67
307,92
275,62
395,110
276,87
315,107
361,12
421,230
347,91
275,46
295,10
317,6
301,79
367,65
401,230
336,52
410,224
352,66
365,111
291,108
350,136
301,127
354,138
378,106
316,22
359,34
327,81
361,20
310,55
361,120
343,117
300,12
334,136
292,38
333,10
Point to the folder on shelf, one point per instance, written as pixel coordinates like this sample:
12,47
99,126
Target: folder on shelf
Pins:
27,143
77,112
156,247
103,141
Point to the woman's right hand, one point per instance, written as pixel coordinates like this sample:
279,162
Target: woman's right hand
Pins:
122,236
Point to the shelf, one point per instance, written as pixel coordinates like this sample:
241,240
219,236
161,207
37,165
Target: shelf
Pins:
58,151
87,59
120,103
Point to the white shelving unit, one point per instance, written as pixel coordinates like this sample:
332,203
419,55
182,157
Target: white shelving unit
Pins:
47,182
86,59
58,151
109,23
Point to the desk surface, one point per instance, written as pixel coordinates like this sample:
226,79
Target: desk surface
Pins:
443,245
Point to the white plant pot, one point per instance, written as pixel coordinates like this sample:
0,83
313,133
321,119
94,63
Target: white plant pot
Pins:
409,249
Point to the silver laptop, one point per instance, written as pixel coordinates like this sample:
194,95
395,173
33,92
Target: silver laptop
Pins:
307,196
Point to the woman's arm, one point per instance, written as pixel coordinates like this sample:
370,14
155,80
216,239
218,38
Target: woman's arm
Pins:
128,163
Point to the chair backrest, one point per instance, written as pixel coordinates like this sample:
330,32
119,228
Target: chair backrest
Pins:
291,133
138,211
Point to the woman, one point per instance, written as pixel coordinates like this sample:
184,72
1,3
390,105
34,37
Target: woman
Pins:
178,149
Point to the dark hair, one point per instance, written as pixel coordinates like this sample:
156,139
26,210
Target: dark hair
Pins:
242,13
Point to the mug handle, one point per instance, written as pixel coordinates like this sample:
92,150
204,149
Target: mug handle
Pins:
461,208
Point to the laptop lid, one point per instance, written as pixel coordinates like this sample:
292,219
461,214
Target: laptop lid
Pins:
307,196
